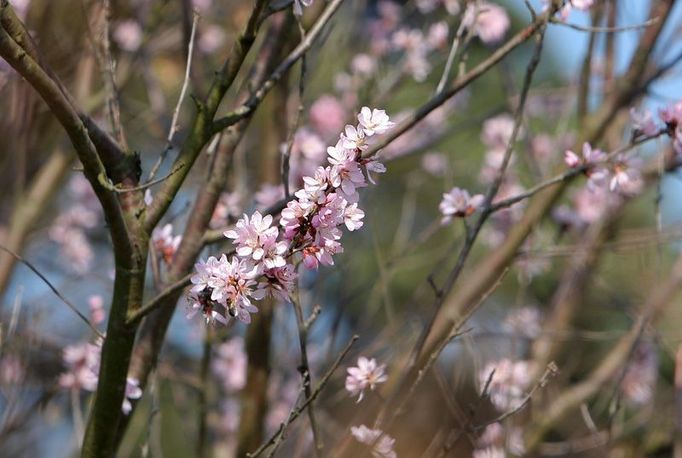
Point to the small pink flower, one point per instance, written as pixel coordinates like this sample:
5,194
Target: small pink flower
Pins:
327,115
128,35
382,444
590,157
367,374
374,121
133,391
643,122
458,203
487,20
165,243
97,313
509,382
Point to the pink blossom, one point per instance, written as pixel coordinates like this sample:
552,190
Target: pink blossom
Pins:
230,363
97,313
671,115
508,384
458,203
639,382
82,366
363,64
128,35
382,444
489,452
255,238
165,243
211,39
626,177
278,283
374,121
487,20
643,122
590,157
327,115
524,321
434,163
200,302
438,35
367,374
497,131
133,391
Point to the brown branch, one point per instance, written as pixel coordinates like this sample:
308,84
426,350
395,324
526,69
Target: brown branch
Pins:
563,405
252,103
297,411
200,132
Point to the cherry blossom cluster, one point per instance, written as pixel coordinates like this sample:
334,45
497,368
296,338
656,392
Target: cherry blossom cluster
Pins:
382,444
82,368
310,230
367,374
622,174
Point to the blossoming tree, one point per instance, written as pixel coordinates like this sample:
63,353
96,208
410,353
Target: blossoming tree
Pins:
219,167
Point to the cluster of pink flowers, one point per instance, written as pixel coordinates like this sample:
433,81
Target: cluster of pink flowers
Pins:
310,228
382,444
367,374
508,384
82,368
622,174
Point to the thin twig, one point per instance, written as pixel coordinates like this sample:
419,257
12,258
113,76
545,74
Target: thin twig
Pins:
304,369
301,408
183,91
54,289
592,29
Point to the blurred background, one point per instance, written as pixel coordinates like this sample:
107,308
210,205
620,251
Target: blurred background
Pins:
382,54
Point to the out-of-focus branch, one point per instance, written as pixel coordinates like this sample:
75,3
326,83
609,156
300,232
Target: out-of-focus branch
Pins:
70,120
68,303
250,105
30,207
200,132
254,402
612,362
304,369
296,411
487,271
463,81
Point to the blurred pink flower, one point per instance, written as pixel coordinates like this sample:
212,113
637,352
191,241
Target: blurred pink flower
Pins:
382,443
488,21
97,312
327,115
128,35
458,203
508,384
367,374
